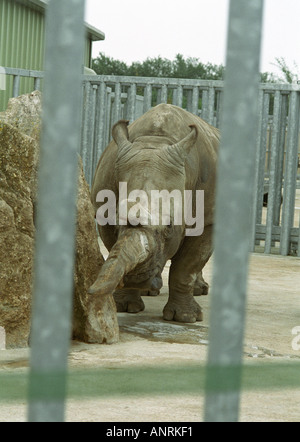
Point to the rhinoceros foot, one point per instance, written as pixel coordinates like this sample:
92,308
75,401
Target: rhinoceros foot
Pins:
190,312
201,288
151,293
128,301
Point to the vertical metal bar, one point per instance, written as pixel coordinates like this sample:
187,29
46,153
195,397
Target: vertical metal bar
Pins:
179,96
264,100
86,131
117,104
234,200
258,168
219,98
174,96
16,85
290,174
211,105
131,103
273,170
189,103
92,146
109,113
263,158
204,112
158,99
279,173
298,245
164,94
37,84
56,213
147,97
195,100
100,123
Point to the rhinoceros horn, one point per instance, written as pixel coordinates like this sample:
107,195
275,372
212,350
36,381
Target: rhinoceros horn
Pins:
131,249
180,150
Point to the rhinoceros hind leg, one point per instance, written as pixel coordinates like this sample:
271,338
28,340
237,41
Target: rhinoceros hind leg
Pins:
201,287
129,301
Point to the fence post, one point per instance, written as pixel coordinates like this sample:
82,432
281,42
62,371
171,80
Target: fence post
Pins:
290,174
273,173
56,211
16,85
233,214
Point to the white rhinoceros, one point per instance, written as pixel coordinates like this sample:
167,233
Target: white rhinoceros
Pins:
167,149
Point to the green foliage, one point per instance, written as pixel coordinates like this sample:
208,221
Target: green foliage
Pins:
268,77
103,65
180,67
159,67
289,75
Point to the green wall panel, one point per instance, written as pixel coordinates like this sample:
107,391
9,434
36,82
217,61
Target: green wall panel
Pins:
22,41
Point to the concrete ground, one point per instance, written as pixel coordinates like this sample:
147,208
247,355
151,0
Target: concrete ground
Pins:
273,312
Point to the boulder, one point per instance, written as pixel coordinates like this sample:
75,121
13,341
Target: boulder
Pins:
17,163
24,113
95,320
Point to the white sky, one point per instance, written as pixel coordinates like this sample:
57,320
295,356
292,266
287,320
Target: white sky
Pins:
137,29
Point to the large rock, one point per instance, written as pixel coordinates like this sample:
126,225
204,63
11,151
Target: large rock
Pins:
24,113
18,160
95,320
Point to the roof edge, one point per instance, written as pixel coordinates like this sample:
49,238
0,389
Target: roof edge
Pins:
40,5
94,33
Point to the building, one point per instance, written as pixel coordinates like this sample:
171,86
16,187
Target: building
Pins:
22,29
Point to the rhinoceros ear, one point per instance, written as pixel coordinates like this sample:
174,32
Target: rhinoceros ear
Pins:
180,150
121,136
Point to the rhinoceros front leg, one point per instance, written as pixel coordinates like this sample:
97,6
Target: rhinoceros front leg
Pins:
129,300
186,265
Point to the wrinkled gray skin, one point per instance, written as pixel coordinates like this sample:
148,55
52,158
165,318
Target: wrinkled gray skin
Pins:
167,148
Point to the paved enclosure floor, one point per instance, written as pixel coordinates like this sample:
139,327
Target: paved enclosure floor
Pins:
273,311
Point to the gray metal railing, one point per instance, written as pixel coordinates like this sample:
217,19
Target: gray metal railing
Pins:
56,229
109,98
17,74
235,186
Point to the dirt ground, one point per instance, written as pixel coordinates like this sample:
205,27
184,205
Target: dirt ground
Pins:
273,310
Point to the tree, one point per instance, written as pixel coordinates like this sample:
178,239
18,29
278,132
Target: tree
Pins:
180,67
104,65
151,67
289,75
267,77
159,67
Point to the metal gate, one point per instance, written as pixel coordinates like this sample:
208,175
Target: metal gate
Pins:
275,211
276,200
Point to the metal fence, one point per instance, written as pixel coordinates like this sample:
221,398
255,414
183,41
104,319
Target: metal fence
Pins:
275,211
275,214
55,239
19,81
